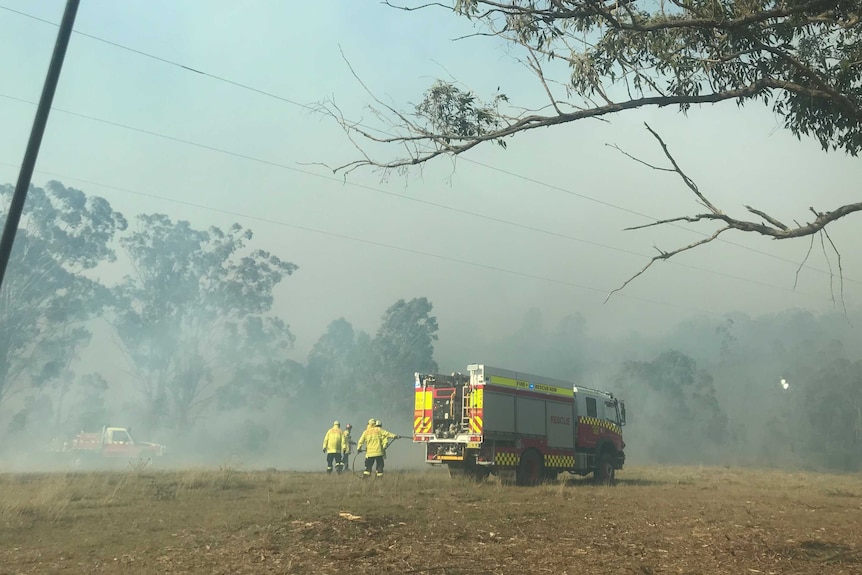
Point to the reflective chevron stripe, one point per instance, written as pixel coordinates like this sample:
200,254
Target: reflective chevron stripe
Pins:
506,459
600,423
565,461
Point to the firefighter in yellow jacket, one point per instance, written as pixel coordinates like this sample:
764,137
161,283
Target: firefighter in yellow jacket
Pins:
375,439
346,443
332,446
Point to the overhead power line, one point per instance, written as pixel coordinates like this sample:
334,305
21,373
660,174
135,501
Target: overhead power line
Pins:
394,194
167,61
317,110
509,173
340,181
371,242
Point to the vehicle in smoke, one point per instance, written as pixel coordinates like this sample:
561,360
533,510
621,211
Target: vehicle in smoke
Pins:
110,445
494,420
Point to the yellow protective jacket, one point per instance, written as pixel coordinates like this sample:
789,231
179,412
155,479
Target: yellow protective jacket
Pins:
345,442
332,440
375,440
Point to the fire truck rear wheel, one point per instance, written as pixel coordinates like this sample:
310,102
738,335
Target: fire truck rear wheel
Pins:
531,468
605,473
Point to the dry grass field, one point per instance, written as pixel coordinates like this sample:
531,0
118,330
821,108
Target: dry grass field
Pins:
655,521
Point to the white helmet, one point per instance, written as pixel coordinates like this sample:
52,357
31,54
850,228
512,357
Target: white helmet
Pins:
335,423
377,423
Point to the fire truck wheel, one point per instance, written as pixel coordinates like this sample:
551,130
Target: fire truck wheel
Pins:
531,468
605,473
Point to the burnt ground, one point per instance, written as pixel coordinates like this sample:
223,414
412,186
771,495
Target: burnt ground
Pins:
654,521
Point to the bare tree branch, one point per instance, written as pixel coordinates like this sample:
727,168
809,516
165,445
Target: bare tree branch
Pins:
415,8
802,264
638,160
766,217
536,66
774,227
840,271
829,265
688,181
667,255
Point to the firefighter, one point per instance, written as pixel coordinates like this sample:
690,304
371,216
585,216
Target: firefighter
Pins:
375,439
386,440
332,442
346,450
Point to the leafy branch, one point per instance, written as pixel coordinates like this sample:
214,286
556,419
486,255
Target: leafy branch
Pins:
595,58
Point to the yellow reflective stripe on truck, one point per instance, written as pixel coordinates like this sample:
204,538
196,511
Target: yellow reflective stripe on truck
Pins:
535,387
564,461
424,400
506,459
422,425
598,422
476,399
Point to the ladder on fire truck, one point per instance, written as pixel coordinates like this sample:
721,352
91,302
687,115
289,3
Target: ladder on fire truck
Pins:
466,407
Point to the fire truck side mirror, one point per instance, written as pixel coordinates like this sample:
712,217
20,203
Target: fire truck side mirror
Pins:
622,413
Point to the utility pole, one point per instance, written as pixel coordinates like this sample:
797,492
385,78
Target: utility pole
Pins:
19,197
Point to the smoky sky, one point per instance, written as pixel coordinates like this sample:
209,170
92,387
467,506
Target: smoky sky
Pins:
539,225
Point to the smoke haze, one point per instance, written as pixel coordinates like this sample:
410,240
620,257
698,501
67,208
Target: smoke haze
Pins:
218,291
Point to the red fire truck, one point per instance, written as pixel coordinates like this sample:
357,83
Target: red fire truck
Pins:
493,420
109,444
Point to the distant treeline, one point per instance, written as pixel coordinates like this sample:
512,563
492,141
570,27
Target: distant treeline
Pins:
209,367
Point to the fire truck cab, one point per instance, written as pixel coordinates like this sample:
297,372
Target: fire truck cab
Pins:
493,420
